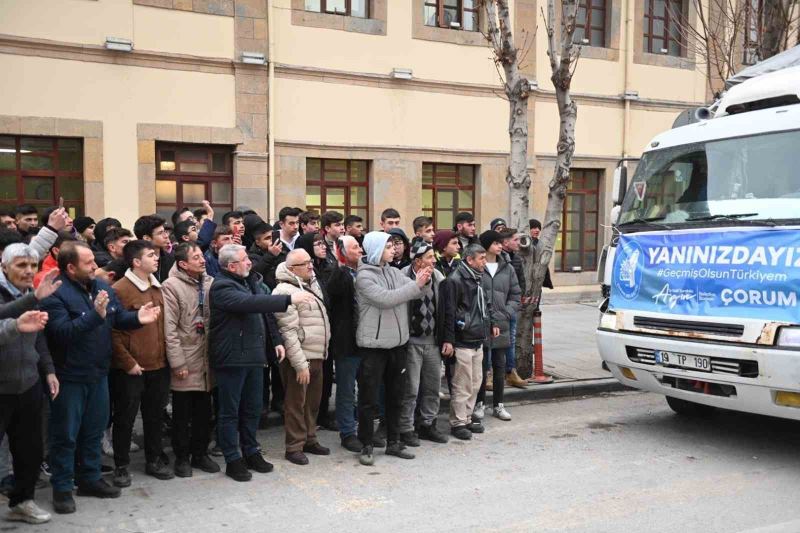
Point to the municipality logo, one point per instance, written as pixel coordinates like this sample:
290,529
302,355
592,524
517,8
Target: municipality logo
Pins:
630,264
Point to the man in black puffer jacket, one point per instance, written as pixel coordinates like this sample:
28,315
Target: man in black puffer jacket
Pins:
242,331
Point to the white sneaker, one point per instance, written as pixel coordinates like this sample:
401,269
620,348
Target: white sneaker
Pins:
479,411
108,449
29,512
501,413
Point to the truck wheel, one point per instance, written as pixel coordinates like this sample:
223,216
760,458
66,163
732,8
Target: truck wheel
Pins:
686,408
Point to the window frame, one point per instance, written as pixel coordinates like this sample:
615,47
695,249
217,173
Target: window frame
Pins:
589,7
323,8
346,184
434,187
74,207
461,11
648,22
182,177
573,190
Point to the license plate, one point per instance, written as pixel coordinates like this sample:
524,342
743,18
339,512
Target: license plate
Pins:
683,360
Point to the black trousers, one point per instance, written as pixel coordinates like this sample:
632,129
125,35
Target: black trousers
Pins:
378,367
273,385
498,360
327,389
191,423
148,392
21,422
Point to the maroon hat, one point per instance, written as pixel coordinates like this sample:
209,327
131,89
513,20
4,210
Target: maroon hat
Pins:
441,238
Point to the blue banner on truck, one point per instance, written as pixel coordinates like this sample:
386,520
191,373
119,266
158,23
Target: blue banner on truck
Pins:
748,274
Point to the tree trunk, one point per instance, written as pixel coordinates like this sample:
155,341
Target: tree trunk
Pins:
777,19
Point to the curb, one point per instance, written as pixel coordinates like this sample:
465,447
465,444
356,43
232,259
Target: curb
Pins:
562,389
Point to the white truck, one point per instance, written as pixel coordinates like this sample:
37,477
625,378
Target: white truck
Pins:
703,273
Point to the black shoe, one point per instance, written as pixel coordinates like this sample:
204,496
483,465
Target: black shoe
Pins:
237,470
182,467
258,463
328,423
216,451
63,502
298,458
461,432
378,442
316,449
410,439
366,458
352,444
398,449
432,434
105,469
476,427
205,463
122,478
158,470
98,489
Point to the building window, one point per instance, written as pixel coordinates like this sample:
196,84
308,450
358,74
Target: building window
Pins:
590,25
576,244
663,27
446,191
455,14
349,8
40,170
753,14
338,185
187,174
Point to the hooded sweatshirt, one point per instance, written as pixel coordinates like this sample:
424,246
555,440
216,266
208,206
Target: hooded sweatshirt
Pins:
382,293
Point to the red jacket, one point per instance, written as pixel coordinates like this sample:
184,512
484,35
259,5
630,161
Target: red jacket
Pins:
49,263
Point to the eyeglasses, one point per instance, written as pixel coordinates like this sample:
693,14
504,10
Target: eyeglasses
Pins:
305,264
320,243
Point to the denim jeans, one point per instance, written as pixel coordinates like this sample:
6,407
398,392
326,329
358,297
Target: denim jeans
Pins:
346,372
240,392
78,417
511,356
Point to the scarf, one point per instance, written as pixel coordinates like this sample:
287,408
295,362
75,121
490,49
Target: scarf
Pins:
476,277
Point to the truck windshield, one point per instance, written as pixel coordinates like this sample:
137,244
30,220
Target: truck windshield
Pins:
743,178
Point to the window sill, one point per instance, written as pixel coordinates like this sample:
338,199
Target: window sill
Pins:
662,60
599,52
447,35
313,19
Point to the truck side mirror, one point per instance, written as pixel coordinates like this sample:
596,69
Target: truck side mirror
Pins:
620,185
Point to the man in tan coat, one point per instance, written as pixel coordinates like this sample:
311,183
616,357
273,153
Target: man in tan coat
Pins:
139,363
306,332
186,315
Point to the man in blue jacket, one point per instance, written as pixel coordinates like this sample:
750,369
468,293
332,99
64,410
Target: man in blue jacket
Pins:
242,331
82,313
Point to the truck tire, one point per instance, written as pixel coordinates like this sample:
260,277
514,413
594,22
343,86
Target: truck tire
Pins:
687,408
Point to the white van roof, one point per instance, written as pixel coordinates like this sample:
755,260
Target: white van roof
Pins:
781,83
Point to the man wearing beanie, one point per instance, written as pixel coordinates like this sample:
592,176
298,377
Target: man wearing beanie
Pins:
502,291
84,228
423,360
382,296
446,247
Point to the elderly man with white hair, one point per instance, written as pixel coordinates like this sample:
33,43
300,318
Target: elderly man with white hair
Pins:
243,333
21,363
306,332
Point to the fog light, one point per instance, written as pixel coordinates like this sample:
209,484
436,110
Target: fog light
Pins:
628,373
789,399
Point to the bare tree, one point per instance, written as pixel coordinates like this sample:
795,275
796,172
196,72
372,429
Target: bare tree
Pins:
563,54
730,34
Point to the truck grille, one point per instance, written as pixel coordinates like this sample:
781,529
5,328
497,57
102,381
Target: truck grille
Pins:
735,367
711,328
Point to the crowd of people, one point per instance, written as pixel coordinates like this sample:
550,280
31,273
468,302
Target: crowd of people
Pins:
201,327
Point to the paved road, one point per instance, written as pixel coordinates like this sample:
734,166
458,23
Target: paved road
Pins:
569,346
613,463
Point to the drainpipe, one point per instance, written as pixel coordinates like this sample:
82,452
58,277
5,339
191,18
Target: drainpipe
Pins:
626,91
270,107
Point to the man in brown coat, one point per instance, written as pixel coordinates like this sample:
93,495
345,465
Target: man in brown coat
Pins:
140,373
186,315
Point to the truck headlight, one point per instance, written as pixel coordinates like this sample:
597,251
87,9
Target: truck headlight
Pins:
789,337
608,320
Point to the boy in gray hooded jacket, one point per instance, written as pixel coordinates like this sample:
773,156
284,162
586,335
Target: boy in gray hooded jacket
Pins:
382,295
